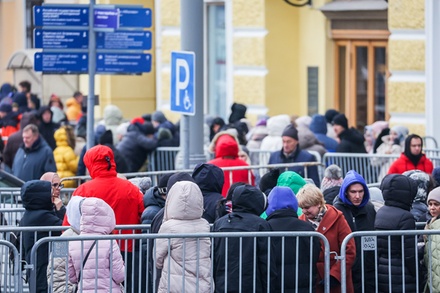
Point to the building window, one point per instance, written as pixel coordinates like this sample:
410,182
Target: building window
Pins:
216,60
361,73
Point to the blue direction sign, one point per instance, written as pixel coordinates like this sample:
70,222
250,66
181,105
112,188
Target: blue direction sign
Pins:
61,16
135,17
56,39
129,40
123,63
106,18
183,82
61,62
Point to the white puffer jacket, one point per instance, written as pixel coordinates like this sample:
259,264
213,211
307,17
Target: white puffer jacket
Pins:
188,257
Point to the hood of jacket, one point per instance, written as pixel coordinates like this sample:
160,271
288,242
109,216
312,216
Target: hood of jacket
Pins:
225,144
112,115
184,202
423,181
60,136
281,197
352,177
291,179
72,102
307,138
42,110
100,162
276,124
398,191
352,135
209,178
153,198
248,199
318,124
73,212
97,217
37,195
28,118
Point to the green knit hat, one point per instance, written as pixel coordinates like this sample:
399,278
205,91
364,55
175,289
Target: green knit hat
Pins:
291,179
294,181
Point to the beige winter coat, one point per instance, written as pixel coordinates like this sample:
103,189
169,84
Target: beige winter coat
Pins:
188,267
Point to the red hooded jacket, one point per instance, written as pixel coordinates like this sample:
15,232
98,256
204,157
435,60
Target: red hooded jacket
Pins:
403,163
226,155
124,197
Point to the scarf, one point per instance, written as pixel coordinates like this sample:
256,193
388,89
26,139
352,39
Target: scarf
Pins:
317,220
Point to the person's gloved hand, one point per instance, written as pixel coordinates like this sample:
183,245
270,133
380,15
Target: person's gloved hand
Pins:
333,282
396,141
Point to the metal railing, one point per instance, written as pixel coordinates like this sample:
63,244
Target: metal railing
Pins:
369,243
145,271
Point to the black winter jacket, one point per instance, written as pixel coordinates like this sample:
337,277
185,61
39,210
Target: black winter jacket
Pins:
287,220
352,141
297,156
330,194
37,200
398,192
360,219
135,146
153,203
248,204
210,179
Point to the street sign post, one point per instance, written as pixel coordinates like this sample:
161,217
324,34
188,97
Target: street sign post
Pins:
106,18
183,83
61,15
66,27
61,62
124,40
135,17
123,63
56,39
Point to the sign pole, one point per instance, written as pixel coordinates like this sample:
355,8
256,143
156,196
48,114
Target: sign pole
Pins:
191,15
92,70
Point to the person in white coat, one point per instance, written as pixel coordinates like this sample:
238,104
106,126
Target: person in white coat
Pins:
186,264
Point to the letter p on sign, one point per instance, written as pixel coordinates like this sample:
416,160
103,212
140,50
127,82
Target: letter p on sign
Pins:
183,82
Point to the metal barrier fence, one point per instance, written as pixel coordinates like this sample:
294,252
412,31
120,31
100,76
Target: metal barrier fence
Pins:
10,277
145,275
372,167
387,272
142,274
301,168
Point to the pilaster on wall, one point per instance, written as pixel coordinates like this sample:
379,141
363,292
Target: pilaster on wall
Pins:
249,56
406,55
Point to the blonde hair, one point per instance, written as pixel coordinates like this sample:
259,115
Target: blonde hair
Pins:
310,195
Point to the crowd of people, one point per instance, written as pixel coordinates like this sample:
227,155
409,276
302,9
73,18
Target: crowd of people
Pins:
48,145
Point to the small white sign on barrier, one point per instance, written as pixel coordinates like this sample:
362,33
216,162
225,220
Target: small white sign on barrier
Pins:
60,249
369,243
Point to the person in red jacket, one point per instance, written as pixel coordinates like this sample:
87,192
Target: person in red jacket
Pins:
225,147
124,198
412,158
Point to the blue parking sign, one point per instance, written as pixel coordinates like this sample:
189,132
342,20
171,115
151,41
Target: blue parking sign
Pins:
183,83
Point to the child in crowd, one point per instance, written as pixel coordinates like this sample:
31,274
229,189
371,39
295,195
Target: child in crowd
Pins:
96,266
432,255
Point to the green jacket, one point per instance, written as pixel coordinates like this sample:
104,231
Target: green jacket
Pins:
435,252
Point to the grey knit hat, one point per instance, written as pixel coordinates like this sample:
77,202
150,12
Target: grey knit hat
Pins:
434,195
332,177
